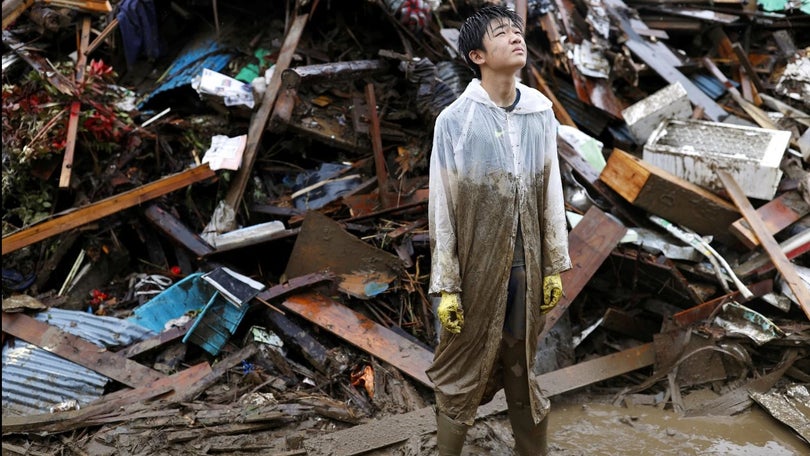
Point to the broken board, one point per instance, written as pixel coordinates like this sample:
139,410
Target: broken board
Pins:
364,333
361,270
589,243
666,195
777,214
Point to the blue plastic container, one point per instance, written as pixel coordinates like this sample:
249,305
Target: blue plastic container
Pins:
217,318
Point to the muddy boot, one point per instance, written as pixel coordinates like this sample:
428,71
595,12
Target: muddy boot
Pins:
450,435
530,439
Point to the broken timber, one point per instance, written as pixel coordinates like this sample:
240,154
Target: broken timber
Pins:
362,332
78,350
259,120
105,207
666,195
166,388
292,78
777,214
389,431
589,243
661,66
177,231
782,263
75,106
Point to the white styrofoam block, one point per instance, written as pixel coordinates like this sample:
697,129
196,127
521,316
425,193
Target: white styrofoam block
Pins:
693,149
671,102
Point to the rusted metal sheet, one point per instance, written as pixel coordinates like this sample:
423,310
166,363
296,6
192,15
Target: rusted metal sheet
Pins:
78,350
589,243
796,284
323,245
358,330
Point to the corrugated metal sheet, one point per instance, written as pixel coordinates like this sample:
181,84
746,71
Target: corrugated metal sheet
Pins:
35,380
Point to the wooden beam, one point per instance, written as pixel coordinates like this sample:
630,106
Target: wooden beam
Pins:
177,231
777,214
388,431
73,121
589,243
364,333
102,36
105,207
259,120
78,350
12,9
770,245
169,335
559,110
167,388
376,145
666,195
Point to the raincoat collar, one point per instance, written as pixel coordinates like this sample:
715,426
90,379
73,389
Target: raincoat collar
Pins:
530,100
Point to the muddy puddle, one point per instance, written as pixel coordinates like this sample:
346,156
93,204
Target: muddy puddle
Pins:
595,429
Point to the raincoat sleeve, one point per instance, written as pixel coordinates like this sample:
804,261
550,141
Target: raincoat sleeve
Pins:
445,274
555,232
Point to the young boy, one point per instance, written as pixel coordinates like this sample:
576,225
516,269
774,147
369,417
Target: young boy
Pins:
498,236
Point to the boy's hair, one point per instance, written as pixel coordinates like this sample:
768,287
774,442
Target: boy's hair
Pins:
471,35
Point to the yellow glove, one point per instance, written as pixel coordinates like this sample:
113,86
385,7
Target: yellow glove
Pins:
450,312
552,292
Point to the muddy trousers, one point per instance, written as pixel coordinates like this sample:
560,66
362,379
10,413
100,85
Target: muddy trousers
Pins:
530,438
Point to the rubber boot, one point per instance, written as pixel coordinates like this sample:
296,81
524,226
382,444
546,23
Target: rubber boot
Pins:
530,438
450,435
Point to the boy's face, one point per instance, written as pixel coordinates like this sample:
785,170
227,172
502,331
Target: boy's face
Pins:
504,48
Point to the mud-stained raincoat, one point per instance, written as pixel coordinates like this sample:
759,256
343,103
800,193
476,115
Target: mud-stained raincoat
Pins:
482,184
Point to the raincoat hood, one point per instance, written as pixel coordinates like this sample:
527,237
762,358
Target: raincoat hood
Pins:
531,100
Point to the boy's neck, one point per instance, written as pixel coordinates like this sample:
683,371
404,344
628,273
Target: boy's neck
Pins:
500,88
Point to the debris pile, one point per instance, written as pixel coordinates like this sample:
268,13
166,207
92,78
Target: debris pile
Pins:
215,226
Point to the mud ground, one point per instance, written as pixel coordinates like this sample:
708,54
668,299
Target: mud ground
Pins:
588,426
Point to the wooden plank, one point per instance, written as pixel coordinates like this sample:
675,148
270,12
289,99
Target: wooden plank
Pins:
376,145
177,231
363,333
163,338
777,214
664,68
12,9
589,243
559,110
389,430
259,120
666,195
220,368
78,350
73,121
770,245
105,207
590,178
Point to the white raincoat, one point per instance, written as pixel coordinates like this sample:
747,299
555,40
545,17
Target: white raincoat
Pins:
490,169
